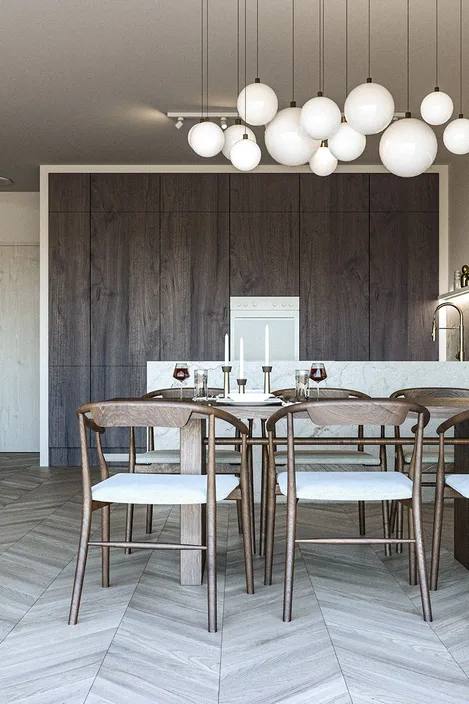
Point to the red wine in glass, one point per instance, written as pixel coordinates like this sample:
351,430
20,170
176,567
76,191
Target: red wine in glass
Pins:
181,373
317,374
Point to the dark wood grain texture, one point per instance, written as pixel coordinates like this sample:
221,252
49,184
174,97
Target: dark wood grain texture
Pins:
194,285
403,284
264,192
69,388
461,506
69,288
336,193
264,254
334,286
108,382
195,192
69,193
125,304
125,192
392,193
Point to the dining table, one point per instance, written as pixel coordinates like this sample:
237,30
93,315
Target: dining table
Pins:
193,462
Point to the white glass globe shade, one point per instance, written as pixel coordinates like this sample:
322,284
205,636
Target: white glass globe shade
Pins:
245,155
320,117
257,104
369,108
436,108
408,147
286,141
189,134
456,136
207,139
347,144
323,162
233,134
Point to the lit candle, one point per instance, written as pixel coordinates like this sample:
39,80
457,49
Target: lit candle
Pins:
241,358
227,350
267,346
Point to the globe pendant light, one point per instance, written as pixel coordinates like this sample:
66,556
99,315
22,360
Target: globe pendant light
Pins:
437,107
257,103
286,141
206,138
347,144
369,108
320,116
234,134
456,134
323,162
245,154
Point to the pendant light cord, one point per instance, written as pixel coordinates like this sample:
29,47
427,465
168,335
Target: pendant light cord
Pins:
293,54
346,48
408,59
202,59
319,48
206,57
245,70
257,38
460,58
237,48
437,83
369,39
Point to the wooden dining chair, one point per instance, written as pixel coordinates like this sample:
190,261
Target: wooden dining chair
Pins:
346,486
133,488
321,457
448,486
430,456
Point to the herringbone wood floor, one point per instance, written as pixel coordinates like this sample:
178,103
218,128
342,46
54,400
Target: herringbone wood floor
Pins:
357,634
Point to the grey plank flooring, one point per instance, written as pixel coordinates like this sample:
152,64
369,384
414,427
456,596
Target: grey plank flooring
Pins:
356,637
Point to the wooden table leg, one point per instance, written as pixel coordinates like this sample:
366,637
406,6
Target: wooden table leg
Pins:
461,506
192,529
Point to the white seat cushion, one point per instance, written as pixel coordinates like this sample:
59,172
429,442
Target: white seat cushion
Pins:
460,482
432,457
329,457
349,486
168,457
126,488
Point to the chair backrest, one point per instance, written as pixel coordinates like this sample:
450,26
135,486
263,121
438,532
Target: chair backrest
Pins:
324,392
419,394
184,392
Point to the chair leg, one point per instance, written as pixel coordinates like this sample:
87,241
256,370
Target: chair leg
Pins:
393,517
386,532
211,563
412,556
269,530
105,537
289,558
421,561
129,525
81,565
247,540
437,529
149,520
263,503
251,498
399,526
240,517
361,517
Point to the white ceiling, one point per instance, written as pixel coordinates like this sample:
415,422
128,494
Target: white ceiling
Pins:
90,81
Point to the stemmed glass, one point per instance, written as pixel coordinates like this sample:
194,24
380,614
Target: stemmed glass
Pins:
317,373
181,373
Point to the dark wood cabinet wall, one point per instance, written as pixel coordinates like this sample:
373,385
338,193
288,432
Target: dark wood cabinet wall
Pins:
142,267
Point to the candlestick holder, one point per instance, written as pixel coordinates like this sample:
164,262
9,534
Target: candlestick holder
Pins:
242,386
226,379
266,371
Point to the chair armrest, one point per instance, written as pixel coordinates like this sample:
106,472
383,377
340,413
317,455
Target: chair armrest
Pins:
451,422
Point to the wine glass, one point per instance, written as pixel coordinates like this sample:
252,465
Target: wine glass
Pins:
317,373
181,373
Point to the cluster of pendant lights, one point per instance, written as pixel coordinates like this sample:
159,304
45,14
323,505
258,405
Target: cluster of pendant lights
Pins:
318,134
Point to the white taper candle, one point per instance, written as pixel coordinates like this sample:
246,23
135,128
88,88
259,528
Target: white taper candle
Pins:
227,350
267,350
241,358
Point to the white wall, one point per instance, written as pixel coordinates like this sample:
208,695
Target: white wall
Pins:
458,243
19,322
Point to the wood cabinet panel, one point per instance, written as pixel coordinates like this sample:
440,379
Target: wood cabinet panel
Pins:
336,193
69,193
194,285
392,193
334,286
69,288
125,303
195,192
264,254
125,192
264,192
69,388
404,285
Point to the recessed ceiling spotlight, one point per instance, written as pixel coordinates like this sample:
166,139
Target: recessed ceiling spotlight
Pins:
223,123
4,181
179,123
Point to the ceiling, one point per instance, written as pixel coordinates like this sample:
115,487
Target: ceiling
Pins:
90,81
